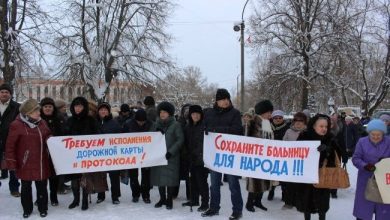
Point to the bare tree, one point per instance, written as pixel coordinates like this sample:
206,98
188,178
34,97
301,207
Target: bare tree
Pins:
22,25
105,40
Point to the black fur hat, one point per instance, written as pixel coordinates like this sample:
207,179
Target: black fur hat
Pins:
166,106
47,101
5,86
149,101
222,94
263,107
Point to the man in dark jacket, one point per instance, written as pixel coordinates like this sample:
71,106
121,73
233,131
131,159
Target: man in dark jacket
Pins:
9,109
150,108
351,135
193,143
140,123
125,115
224,118
107,125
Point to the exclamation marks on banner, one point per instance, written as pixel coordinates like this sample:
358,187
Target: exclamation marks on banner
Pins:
143,157
298,168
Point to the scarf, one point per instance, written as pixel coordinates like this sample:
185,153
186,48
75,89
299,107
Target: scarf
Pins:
266,129
32,123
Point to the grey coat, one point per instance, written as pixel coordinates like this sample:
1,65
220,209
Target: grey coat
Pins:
169,175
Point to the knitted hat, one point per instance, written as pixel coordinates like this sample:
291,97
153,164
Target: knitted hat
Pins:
125,108
385,118
195,109
222,94
47,101
29,106
263,107
278,113
376,125
59,103
140,115
104,105
166,106
149,100
5,86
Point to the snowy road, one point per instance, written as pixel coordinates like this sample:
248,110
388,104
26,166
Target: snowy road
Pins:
10,208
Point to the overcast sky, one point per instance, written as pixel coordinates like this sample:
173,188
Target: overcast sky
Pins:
204,37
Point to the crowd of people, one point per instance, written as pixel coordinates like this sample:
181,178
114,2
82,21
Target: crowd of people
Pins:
25,128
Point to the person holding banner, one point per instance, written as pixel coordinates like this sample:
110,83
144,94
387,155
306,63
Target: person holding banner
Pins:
80,123
369,151
27,154
107,125
167,177
224,118
310,199
259,127
140,123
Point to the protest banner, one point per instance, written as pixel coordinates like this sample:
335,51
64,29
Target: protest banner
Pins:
103,152
290,161
382,176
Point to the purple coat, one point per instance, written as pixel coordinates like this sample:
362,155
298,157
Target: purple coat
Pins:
368,152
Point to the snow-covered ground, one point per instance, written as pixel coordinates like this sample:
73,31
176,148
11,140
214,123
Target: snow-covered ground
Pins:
11,208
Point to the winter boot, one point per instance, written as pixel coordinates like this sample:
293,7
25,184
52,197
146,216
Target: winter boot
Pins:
203,207
250,201
163,197
235,216
76,197
271,193
84,203
169,203
210,212
53,198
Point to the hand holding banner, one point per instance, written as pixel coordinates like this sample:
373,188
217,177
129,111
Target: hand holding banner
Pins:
382,176
290,161
92,153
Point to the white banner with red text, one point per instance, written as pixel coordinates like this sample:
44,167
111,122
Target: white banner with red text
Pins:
104,152
289,161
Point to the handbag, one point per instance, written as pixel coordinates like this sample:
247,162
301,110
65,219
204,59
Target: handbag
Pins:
333,177
372,191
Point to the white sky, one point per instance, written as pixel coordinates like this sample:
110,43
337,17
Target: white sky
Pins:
204,37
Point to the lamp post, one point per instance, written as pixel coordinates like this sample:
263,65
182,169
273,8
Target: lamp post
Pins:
241,27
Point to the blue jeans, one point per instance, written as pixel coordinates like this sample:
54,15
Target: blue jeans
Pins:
13,182
235,191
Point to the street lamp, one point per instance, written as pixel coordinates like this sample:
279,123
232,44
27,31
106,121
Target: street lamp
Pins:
241,27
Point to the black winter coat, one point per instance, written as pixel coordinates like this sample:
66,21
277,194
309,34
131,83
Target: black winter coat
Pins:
280,130
81,124
55,122
194,134
311,199
132,126
108,125
226,121
5,120
351,136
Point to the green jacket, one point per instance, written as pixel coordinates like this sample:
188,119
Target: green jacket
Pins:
169,175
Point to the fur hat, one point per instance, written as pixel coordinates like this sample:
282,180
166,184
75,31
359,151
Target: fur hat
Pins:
222,94
166,106
47,101
149,101
300,116
195,109
376,125
140,115
5,86
92,107
59,103
29,106
125,108
263,107
104,105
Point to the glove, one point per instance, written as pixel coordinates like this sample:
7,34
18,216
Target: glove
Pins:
168,155
370,167
160,130
322,147
206,131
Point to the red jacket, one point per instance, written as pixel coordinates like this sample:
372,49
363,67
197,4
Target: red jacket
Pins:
26,150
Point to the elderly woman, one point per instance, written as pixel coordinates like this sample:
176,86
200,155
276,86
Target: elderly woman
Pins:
369,151
28,155
309,199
